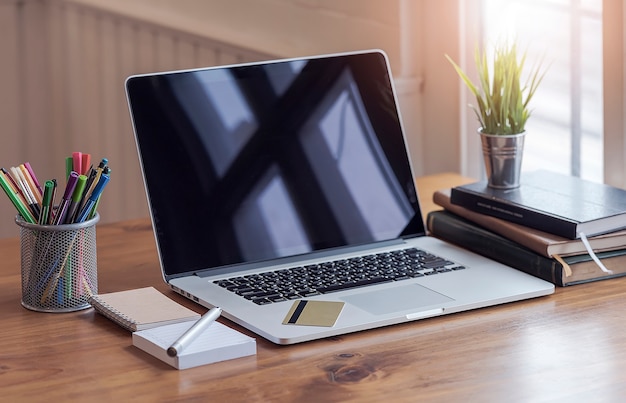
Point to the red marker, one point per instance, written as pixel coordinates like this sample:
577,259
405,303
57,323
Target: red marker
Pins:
77,162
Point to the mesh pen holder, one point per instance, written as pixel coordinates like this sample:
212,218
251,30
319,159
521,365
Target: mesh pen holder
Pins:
59,265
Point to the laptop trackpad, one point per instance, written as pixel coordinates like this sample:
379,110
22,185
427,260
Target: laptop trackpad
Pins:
409,297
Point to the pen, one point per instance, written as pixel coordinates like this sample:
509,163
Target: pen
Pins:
93,178
15,188
93,197
63,206
16,200
47,199
77,194
52,198
85,163
69,166
194,331
77,162
26,192
28,179
107,171
31,172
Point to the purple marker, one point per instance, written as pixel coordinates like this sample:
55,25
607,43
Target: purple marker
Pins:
32,175
67,196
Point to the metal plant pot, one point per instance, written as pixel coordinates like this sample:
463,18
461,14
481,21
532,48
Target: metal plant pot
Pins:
503,159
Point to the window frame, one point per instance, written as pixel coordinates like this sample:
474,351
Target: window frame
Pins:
614,54
614,91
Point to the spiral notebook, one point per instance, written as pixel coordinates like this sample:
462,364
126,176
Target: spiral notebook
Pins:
141,308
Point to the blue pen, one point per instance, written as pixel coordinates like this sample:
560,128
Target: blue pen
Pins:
60,287
104,179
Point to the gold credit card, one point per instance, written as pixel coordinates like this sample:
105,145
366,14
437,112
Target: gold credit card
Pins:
313,313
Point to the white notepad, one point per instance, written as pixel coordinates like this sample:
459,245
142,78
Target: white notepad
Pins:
217,343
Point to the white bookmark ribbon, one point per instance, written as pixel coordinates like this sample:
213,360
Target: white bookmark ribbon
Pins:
595,258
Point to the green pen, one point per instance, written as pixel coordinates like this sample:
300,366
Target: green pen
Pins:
47,200
52,197
17,202
69,166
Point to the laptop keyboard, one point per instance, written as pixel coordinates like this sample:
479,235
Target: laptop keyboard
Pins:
306,281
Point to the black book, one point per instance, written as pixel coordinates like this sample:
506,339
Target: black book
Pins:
555,203
560,271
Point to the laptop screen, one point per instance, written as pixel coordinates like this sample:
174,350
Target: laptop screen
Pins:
260,161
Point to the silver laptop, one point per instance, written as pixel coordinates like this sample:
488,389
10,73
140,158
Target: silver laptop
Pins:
282,192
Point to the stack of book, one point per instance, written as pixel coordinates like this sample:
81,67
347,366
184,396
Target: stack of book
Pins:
560,228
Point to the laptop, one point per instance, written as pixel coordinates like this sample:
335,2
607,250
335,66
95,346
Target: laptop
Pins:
282,192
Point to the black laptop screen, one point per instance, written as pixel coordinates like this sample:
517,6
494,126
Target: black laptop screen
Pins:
255,162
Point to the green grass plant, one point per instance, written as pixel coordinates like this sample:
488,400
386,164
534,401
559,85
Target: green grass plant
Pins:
501,97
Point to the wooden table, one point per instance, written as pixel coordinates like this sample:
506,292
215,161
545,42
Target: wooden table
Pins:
571,345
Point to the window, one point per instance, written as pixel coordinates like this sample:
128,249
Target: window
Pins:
566,127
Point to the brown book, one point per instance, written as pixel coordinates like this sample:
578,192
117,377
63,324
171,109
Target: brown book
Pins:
584,269
543,243
565,271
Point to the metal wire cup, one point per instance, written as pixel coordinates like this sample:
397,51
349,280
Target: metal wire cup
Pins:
59,265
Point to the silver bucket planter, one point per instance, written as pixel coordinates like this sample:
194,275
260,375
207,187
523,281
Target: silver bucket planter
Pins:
503,158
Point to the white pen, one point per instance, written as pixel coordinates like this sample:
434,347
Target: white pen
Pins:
194,331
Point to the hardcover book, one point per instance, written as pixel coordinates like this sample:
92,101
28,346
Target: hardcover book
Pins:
539,241
555,203
562,272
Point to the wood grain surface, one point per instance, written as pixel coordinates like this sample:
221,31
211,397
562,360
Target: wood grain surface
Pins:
570,346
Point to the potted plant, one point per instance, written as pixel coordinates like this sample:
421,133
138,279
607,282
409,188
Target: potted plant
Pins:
502,110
